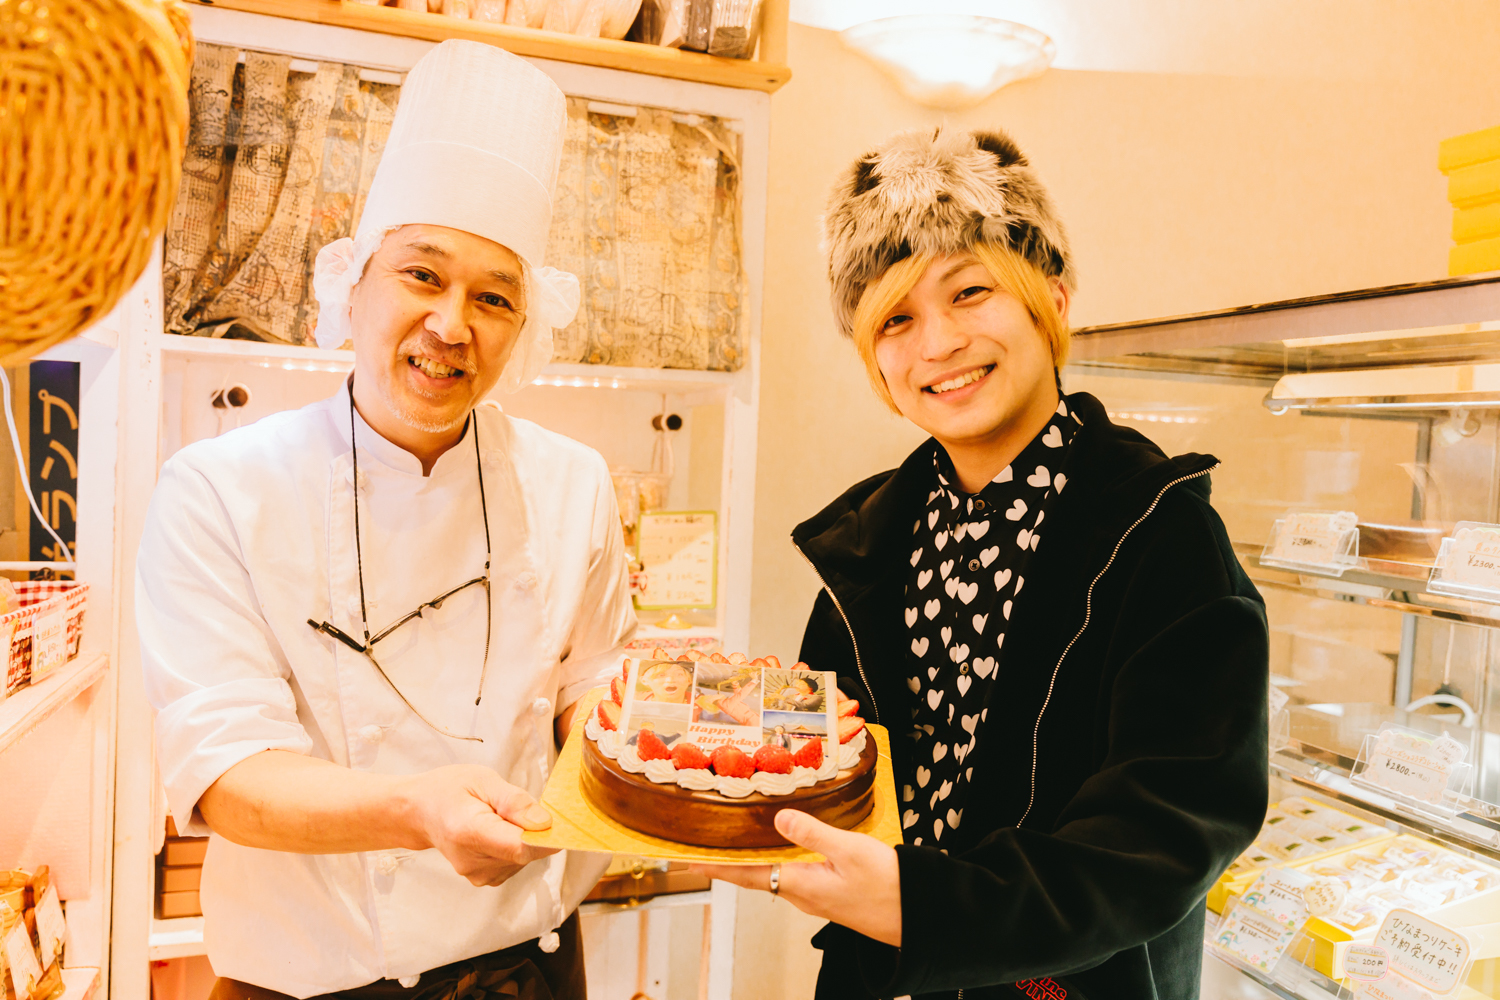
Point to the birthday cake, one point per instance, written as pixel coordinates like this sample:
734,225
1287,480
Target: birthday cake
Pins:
706,749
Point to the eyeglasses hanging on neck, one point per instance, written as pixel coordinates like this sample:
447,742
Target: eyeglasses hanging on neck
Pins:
368,646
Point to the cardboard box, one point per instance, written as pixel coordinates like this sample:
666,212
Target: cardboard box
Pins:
181,851
185,879
178,904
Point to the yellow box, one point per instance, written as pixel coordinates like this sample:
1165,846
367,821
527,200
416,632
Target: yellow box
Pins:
1481,223
1475,257
1469,148
1476,184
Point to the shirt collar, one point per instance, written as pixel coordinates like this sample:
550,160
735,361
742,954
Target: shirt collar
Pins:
1036,452
376,447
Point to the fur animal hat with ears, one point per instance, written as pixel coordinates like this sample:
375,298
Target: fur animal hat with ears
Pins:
936,192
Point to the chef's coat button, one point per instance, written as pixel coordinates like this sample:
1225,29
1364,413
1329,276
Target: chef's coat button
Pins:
387,865
353,607
410,981
372,734
549,942
526,581
973,565
541,707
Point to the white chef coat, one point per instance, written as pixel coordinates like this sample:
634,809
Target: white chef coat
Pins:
252,533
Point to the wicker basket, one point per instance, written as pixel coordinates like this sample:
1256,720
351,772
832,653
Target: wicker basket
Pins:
93,120
38,599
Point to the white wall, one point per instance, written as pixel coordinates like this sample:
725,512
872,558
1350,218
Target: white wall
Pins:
1296,170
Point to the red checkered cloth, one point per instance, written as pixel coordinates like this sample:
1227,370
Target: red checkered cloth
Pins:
39,597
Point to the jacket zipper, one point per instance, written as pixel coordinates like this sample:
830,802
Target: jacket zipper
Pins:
1088,610
858,663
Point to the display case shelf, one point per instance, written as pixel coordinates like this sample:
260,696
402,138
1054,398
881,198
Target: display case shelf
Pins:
766,74
29,707
178,937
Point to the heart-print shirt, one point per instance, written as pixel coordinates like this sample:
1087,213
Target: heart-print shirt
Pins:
968,560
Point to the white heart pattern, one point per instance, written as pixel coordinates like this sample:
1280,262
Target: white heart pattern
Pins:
955,817
1006,475
951,586
932,517
983,665
940,540
969,774
947,634
1062,408
1006,610
945,569
959,532
969,722
979,529
919,646
958,653
979,622
967,592
939,751
1041,477
1023,538
963,682
983,714
1017,510
924,578
1039,516
931,608
1053,437
915,683
1059,481
942,793
911,617
1001,579
932,676
953,497
907,794
1020,582
1034,539
916,557
988,556
933,697
937,829
923,776
960,751
908,819
950,713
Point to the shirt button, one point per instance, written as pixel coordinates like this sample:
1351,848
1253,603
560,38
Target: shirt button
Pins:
541,707
973,565
353,607
387,865
372,734
979,504
526,581
963,668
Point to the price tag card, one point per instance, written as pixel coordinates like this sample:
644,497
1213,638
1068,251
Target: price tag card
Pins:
1365,962
25,971
1276,699
49,642
1317,541
1278,893
1324,896
51,928
678,553
1469,562
1411,764
1392,987
1253,937
1434,957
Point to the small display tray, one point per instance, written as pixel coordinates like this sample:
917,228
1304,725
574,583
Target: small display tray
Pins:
577,826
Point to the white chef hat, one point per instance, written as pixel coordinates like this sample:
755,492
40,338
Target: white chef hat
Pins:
474,146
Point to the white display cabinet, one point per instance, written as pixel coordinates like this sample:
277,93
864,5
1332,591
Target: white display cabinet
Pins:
166,383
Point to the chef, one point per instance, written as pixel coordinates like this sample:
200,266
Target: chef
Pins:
365,624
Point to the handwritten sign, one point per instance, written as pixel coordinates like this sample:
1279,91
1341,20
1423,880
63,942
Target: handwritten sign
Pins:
1258,927
1392,987
1277,892
1314,539
678,553
49,641
1431,955
25,971
1412,765
51,928
1469,562
1324,896
1365,962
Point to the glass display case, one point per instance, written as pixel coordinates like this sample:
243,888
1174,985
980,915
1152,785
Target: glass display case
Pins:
1359,436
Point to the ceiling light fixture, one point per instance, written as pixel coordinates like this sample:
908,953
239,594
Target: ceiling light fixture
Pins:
951,61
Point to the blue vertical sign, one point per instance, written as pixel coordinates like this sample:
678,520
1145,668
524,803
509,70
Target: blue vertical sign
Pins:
54,456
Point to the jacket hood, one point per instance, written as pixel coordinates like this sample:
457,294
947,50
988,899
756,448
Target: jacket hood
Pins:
1112,474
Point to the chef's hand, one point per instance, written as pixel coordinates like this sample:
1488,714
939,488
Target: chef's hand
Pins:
475,819
859,885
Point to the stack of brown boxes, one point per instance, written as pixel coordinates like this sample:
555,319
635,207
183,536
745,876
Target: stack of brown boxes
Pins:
179,870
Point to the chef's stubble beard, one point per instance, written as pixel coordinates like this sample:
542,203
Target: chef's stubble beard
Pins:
413,420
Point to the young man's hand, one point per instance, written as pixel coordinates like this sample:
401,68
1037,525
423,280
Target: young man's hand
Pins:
858,886
475,820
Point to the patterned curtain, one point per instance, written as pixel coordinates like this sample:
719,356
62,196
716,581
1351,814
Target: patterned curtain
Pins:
278,164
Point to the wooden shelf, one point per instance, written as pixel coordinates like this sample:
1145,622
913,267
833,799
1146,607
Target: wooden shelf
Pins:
633,57
29,707
179,937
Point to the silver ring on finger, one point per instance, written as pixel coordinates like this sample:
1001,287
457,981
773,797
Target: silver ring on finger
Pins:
775,879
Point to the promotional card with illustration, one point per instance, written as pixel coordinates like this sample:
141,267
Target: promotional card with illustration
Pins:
744,705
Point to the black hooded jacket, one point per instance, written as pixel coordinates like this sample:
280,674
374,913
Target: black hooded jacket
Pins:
1128,727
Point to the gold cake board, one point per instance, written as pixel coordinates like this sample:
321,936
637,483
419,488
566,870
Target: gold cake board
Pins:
577,826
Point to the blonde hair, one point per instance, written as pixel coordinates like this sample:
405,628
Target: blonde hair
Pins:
1011,272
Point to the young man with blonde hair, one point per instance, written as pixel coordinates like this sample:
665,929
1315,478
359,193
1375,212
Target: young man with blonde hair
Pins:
1043,609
